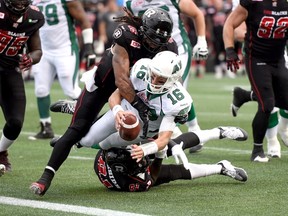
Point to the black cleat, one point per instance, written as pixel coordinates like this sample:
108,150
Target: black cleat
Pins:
63,106
46,132
239,98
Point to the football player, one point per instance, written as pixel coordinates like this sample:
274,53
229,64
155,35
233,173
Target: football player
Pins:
19,28
135,38
264,59
60,55
116,170
179,34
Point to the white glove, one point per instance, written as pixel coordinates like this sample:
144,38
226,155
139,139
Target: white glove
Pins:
179,153
162,153
200,50
88,79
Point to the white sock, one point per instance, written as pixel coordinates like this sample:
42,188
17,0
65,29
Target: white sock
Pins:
193,125
283,123
271,133
45,120
203,170
5,143
206,135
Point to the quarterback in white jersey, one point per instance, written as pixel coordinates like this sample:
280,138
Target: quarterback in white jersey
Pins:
156,83
179,34
60,54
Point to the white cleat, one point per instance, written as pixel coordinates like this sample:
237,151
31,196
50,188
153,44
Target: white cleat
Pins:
274,149
236,173
233,133
2,169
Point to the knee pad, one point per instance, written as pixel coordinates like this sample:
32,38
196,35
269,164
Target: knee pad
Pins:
12,128
42,91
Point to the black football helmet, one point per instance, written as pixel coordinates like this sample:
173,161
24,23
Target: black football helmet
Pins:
18,7
120,160
156,28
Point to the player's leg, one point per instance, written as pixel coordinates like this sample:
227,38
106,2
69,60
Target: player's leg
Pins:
13,104
273,145
283,126
44,75
173,172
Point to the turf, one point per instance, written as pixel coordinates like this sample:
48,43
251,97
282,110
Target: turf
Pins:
265,192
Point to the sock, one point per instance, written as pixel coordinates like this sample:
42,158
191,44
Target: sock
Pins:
43,106
203,170
45,120
206,135
5,143
283,123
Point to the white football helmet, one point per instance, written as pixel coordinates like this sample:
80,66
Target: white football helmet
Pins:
165,64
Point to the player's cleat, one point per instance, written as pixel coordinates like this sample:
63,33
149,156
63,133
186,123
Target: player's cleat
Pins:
238,100
46,132
2,169
236,173
64,106
274,148
233,133
38,188
284,136
196,148
259,156
4,161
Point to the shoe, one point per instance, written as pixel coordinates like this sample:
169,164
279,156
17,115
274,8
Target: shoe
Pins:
236,173
2,169
196,148
4,161
46,132
238,100
233,133
64,106
284,136
274,149
38,188
259,156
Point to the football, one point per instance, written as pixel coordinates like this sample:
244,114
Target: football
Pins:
130,128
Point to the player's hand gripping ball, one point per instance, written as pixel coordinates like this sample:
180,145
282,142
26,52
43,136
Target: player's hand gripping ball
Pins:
130,127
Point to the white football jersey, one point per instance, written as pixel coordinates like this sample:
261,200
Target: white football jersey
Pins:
163,107
179,34
58,35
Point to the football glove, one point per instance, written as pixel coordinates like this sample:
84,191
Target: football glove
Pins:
89,55
143,109
25,62
232,59
179,154
181,119
200,50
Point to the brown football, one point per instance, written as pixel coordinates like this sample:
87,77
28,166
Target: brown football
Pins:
130,128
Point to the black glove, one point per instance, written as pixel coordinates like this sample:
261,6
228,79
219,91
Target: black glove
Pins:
232,59
181,119
143,109
89,54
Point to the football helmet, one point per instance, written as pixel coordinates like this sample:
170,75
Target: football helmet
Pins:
120,160
156,28
163,71
18,7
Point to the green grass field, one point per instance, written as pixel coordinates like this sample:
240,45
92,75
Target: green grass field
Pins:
265,192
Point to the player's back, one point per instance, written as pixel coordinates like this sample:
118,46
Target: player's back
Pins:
58,33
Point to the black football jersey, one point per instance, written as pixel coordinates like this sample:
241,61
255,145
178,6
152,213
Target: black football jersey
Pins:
267,25
14,35
128,37
118,181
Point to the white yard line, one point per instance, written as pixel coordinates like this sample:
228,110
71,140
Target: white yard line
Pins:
63,207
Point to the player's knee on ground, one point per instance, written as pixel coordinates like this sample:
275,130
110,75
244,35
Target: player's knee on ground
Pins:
12,128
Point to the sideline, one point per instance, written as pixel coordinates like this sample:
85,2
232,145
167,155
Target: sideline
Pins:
63,207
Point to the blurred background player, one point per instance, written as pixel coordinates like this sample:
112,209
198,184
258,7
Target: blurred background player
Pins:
264,60
17,32
60,55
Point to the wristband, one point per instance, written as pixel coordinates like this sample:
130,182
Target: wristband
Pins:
87,35
116,109
202,40
149,148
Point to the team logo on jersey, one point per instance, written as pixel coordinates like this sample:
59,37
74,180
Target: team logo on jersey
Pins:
117,33
2,15
135,44
132,29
